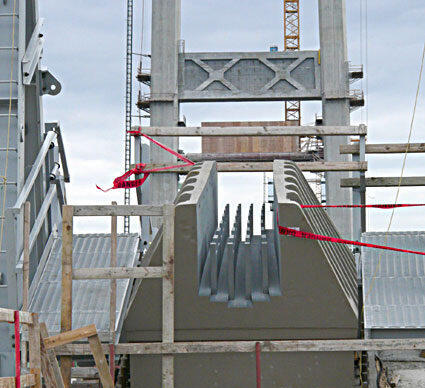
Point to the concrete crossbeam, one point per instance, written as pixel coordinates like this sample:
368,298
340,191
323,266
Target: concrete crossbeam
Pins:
249,76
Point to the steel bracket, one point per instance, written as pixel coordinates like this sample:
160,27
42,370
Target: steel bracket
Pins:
49,84
33,53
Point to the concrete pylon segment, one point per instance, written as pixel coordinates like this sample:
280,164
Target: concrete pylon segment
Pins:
317,298
336,103
292,190
164,105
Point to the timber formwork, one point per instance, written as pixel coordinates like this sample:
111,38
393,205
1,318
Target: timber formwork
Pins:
173,342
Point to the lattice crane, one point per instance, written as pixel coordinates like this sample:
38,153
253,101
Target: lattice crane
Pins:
291,14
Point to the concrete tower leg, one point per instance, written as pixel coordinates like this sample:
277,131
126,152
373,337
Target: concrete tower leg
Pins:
336,103
164,105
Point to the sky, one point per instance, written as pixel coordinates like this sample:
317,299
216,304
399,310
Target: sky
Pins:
85,49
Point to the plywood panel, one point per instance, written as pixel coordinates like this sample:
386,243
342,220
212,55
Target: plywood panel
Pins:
241,144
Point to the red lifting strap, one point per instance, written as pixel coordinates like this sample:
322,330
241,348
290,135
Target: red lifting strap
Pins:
385,206
311,236
121,182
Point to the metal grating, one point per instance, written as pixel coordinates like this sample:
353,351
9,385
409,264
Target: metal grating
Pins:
396,299
90,297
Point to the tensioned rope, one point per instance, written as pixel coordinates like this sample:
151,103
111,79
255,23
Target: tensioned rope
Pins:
378,265
4,177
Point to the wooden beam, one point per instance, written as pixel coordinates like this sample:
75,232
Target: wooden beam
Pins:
53,367
268,167
384,181
344,345
25,272
253,156
85,372
118,273
168,293
100,361
66,297
7,315
26,256
69,336
27,380
256,131
118,210
35,350
113,295
395,148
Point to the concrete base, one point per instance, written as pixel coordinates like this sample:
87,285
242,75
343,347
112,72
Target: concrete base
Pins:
315,303
291,370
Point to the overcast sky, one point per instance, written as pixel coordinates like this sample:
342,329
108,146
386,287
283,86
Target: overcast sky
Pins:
85,50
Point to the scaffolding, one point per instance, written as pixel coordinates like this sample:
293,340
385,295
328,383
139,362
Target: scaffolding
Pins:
128,102
168,348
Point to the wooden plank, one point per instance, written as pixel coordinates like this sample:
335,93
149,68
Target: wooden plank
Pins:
100,360
35,350
249,346
70,336
256,131
7,315
118,273
113,295
55,372
26,255
168,293
268,167
384,181
46,366
395,148
25,272
85,373
118,210
66,297
248,144
27,380
251,156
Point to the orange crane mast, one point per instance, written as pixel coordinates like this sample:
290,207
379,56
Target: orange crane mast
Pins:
291,14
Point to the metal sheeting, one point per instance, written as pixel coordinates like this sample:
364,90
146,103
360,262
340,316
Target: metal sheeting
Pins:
90,297
395,299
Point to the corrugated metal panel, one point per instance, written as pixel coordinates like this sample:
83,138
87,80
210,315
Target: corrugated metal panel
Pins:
90,297
394,282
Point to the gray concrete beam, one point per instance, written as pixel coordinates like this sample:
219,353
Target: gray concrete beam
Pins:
250,76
